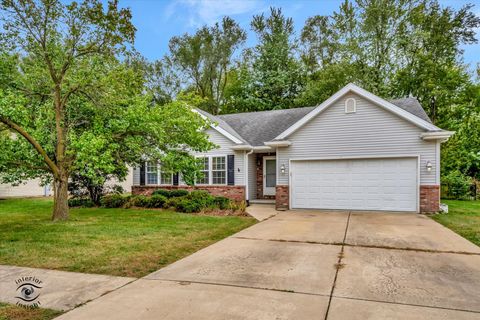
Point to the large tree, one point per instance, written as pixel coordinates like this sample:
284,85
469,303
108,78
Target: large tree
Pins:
270,76
70,105
205,59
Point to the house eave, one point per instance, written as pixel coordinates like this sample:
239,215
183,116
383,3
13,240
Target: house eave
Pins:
278,143
437,135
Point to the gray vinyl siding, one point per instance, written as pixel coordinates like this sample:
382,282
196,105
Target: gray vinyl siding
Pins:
252,177
370,131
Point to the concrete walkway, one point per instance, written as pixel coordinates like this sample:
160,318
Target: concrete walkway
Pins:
262,211
57,290
312,265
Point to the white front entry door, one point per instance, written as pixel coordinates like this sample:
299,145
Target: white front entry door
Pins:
269,175
356,184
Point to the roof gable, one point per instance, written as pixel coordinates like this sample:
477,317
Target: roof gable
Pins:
399,111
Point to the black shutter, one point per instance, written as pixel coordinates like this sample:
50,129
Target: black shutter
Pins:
142,174
175,179
231,170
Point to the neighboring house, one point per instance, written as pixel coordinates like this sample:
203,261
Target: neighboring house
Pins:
355,151
30,188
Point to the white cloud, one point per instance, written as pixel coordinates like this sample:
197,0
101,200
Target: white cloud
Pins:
201,12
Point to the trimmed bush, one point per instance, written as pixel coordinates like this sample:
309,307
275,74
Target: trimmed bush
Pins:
172,203
156,201
161,192
189,205
80,202
222,203
113,201
178,193
141,201
202,196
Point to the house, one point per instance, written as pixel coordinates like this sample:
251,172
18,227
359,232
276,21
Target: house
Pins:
355,151
33,187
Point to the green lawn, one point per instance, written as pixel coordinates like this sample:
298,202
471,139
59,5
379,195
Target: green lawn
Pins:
123,242
11,312
463,217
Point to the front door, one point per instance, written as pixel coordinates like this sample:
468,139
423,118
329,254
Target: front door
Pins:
269,175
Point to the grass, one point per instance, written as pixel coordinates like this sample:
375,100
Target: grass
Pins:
463,217
122,242
12,312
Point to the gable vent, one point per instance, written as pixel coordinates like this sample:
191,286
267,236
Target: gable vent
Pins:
350,105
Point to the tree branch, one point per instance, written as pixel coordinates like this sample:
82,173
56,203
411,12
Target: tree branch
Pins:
12,125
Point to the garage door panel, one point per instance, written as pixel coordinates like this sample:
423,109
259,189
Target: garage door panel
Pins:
360,184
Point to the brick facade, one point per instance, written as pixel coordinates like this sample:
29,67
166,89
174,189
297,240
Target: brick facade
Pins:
236,193
429,198
259,165
282,198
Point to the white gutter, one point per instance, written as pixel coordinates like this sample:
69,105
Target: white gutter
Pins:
246,154
437,135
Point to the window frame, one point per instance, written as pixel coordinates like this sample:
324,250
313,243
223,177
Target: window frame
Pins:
211,170
207,171
225,170
354,105
159,172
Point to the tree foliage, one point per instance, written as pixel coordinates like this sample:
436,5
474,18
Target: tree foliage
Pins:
205,58
71,106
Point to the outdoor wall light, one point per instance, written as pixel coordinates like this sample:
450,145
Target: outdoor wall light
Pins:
429,166
282,169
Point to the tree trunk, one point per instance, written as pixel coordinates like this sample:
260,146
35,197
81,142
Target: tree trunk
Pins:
60,200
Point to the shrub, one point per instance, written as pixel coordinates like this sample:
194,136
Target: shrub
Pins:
204,198
189,205
156,201
458,185
172,203
113,201
178,193
80,202
222,203
162,192
140,201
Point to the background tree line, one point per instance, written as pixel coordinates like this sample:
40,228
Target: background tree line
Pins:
393,48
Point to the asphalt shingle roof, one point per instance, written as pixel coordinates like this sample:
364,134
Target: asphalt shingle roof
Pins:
255,128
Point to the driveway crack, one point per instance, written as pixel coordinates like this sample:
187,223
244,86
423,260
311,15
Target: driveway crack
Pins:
339,265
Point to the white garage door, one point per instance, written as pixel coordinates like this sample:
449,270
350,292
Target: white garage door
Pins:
360,184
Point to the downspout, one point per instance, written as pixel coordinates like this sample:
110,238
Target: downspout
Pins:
247,196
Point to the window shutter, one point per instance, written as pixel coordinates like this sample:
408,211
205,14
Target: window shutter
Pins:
142,174
231,170
175,179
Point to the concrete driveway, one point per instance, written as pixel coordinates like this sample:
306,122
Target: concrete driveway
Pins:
312,265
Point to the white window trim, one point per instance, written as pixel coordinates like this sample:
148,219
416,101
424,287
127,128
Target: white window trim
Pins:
210,170
159,179
354,105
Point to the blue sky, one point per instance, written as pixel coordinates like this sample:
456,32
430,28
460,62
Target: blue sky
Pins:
159,20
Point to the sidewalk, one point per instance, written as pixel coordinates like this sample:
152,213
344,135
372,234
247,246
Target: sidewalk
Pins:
57,290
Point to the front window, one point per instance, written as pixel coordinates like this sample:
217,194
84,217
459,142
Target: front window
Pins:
204,172
219,170
152,172
165,178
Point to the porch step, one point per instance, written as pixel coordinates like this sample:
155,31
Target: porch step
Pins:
262,201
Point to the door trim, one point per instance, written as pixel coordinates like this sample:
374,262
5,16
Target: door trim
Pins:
393,156
271,190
